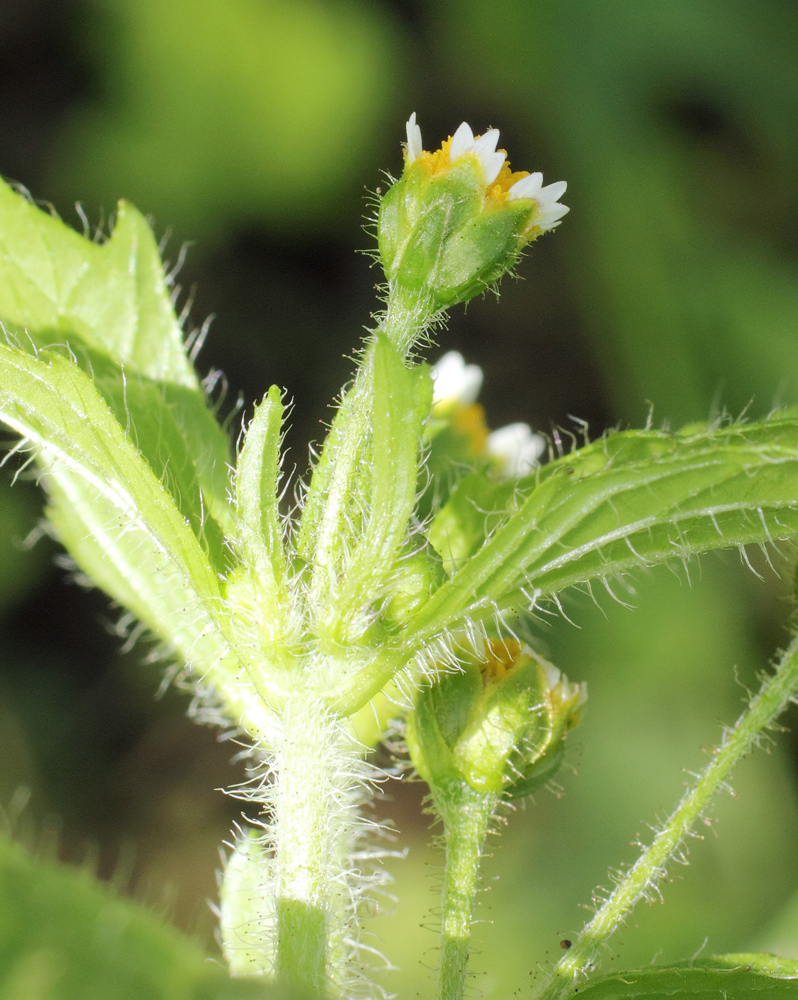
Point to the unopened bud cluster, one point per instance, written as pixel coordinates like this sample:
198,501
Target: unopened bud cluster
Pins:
498,724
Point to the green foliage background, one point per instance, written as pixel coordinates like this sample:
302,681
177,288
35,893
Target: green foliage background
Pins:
252,127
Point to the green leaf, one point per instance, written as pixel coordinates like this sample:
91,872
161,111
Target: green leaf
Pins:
477,506
256,479
631,499
363,489
401,402
110,304
114,517
113,295
64,935
725,977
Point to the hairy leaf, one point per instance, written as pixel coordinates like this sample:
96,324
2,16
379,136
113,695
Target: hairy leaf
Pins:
363,488
255,486
64,935
402,399
115,518
110,303
112,295
637,497
725,977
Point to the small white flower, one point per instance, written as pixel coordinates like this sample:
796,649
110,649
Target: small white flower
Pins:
414,145
492,161
455,382
550,211
516,449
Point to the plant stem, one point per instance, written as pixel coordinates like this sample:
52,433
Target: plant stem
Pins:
774,695
406,318
466,816
314,804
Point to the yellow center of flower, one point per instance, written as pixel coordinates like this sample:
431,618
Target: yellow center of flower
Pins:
501,658
437,162
440,160
499,189
469,422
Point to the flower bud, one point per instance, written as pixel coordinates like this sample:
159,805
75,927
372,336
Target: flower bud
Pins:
416,577
458,218
499,724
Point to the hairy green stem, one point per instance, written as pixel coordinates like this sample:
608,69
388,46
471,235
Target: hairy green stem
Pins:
406,318
314,815
583,956
466,816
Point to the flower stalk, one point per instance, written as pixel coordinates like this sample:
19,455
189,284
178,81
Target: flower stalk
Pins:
466,815
650,868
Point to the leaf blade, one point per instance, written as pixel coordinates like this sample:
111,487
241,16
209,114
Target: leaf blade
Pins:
255,489
736,977
113,294
110,304
118,522
402,399
634,498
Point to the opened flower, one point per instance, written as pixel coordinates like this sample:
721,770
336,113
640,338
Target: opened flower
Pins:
501,183
458,218
512,450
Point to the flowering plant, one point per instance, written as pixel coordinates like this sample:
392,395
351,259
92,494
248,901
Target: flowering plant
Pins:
395,599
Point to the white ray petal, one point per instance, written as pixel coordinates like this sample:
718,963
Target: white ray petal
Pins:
492,164
455,382
488,141
462,140
551,193
551,215
516,448
527,187
414,146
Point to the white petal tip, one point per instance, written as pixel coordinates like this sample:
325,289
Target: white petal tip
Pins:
492,164
515,449
414,144
462,140
454,382
527,187
488,141
551,193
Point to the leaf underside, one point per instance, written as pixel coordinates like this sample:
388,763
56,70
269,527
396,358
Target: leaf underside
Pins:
725,977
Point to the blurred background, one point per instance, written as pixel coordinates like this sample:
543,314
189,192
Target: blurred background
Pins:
254,129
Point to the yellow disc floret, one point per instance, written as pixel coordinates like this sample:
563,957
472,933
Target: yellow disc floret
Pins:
441,160
437,162
498,191
469,423
500,658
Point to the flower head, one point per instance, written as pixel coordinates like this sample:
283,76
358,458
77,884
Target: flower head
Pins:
499,724
458,217
513,451
501,183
